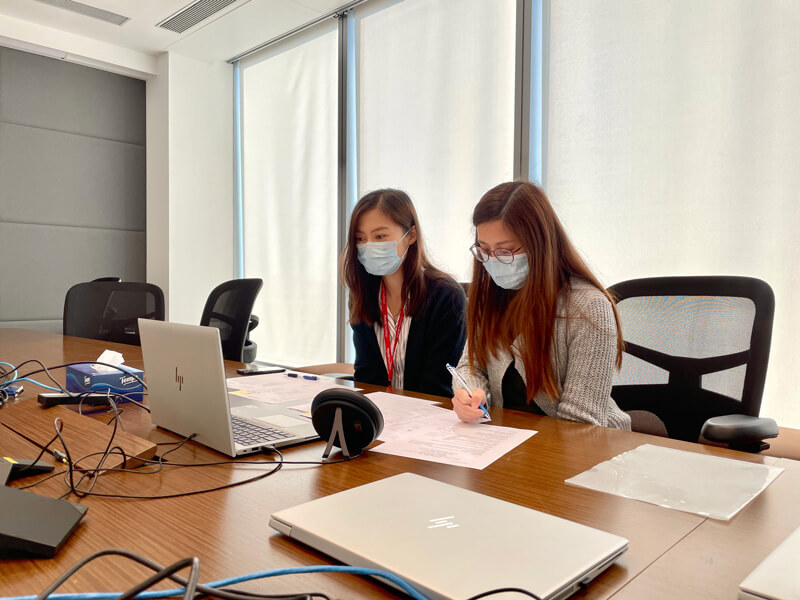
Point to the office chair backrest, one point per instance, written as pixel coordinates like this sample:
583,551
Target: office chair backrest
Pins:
108,310
695,348
228,308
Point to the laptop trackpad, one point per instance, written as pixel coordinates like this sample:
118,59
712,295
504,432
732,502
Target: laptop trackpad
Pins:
282,421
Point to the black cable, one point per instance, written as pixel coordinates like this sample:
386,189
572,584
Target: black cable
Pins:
41,453
96,471
72,468
44,370
127,398
253,462
58,426
504,591
5,374
191,585
283,597
191,493
115,395
81,396
82,362
42,480
224,594
159,462
69,474
81,493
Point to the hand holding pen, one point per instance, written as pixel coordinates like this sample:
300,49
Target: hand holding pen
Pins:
469,405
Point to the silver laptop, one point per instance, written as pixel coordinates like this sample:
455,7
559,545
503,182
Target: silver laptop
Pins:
777,576
188,394
451,543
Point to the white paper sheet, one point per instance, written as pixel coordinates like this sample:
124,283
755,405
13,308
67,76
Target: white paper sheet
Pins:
279,387
403,415
433,433
379,396
688,481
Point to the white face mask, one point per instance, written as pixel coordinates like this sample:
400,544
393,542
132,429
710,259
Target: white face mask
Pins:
380,258
511,276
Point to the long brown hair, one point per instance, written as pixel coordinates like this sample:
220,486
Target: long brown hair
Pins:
363,287
496,316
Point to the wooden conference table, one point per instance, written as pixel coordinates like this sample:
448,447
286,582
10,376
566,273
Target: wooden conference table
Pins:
672,554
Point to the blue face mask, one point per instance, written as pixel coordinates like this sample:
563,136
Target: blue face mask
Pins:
509,277
380,258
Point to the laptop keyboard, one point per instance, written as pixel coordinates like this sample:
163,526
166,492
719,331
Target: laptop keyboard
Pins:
248,433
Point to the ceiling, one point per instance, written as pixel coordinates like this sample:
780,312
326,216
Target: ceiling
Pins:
236,28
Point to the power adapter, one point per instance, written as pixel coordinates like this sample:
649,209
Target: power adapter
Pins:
54,399
23,467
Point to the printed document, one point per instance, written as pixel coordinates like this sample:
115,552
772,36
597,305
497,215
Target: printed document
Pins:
420,430
278,387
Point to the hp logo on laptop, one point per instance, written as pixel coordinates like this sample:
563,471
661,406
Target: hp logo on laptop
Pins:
442,522
178,379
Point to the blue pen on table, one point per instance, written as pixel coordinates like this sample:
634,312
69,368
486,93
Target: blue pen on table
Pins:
298,375
463,383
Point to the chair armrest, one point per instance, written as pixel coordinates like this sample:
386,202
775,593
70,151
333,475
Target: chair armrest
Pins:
740,432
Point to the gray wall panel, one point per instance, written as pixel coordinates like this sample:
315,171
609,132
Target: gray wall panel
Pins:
48,326
72,183
53,94
51,259
60,178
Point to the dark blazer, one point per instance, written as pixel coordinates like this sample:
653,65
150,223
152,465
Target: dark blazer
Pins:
436,337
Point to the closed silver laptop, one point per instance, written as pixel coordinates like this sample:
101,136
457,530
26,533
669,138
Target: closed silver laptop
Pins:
188,394
451,543
777,576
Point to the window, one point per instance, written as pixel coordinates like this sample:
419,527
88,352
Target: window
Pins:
428,104
436,86
289,190
673,148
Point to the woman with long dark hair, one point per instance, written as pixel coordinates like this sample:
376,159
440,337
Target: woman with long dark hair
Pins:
543,334
407,316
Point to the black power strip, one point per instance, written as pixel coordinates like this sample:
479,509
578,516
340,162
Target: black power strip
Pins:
56,398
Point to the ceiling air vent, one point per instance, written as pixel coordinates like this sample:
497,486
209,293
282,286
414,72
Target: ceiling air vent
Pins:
194,13
87,11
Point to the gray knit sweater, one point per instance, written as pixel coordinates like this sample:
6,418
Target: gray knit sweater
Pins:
584,352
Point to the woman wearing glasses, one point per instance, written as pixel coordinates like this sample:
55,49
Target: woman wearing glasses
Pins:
407,316
543,335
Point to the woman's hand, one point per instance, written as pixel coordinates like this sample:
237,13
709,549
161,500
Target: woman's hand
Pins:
468,408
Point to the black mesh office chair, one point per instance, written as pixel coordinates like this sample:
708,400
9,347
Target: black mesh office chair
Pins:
108,279
696,354
108,310
229,308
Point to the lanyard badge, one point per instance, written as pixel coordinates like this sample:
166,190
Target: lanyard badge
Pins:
387,340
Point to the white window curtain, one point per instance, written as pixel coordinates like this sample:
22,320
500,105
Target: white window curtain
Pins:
289,129
435,94
674,145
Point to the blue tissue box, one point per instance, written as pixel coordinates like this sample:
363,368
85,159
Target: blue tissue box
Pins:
85,378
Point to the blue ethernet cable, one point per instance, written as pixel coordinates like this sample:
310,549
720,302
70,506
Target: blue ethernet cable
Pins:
387,575
14,379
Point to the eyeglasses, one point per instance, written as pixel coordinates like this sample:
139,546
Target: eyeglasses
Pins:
503,255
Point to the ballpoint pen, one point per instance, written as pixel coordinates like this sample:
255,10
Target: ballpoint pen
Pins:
463,383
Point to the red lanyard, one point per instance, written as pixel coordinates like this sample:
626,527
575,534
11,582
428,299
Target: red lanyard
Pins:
387,340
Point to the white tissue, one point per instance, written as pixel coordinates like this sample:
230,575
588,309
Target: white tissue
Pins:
110,357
